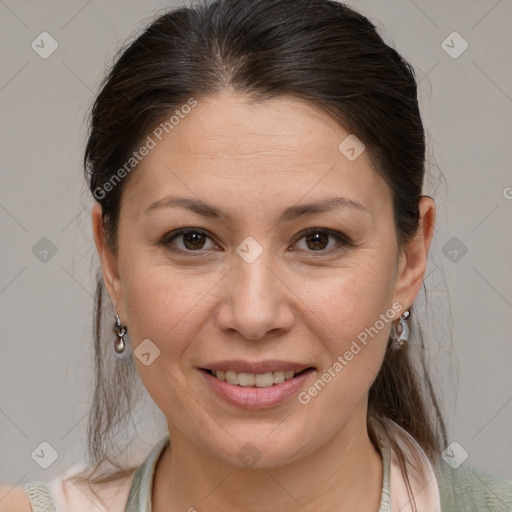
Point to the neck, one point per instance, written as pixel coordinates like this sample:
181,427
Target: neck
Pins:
344,474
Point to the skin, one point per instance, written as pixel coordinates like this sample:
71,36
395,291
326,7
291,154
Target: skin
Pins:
253,161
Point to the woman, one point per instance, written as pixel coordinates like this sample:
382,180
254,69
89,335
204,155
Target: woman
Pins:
257,169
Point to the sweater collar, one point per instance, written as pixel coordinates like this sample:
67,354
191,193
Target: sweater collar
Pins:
394,494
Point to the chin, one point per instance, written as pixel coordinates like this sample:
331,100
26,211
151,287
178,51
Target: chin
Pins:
256,450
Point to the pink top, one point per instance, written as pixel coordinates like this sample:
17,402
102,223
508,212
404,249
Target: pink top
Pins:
70,498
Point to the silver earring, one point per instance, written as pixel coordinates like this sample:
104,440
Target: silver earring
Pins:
400,332
122,340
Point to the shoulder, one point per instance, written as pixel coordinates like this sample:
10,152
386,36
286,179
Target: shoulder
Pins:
77,496
14,499
63,494
467,489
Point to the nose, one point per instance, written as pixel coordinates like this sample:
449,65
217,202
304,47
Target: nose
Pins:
256,299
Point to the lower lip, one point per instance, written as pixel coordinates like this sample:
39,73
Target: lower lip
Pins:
257,398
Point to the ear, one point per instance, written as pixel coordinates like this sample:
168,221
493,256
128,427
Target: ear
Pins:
108,261
413,258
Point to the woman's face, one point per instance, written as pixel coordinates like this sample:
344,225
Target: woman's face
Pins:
248,284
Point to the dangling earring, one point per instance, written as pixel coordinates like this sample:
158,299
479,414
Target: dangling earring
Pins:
122,338
400,332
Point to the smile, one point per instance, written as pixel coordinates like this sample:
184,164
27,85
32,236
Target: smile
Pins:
256,391
259,380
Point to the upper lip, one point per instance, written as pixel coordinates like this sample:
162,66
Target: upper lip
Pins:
239,365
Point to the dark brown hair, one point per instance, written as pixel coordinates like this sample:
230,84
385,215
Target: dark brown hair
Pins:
319,51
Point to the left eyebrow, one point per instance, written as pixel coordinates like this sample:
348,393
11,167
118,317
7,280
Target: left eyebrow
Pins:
323,206
290,213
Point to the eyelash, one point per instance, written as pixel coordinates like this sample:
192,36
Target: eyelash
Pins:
343,240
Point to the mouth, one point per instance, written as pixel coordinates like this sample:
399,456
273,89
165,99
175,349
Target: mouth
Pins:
257,380
256,391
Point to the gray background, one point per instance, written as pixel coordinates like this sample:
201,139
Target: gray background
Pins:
46,307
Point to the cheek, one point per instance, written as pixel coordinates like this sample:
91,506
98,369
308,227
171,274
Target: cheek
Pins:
354,308
163,304
164,308
355,334
349,300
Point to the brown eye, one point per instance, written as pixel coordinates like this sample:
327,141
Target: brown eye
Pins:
317,239
192,240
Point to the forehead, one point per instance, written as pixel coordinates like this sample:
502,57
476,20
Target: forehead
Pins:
282,148
231,126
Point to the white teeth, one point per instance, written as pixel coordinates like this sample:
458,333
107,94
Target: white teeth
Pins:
260,380
264,380
231,377
246,379
278,377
